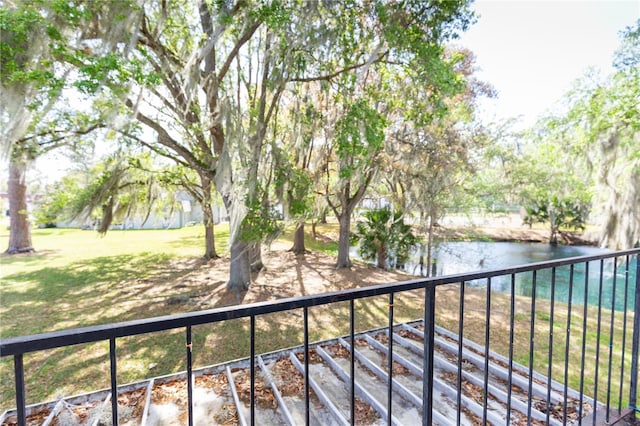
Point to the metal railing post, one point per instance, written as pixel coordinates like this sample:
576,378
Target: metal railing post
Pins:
487,340
633,391
567,346
252,369
189,376
627,272
352,360
598,331
460,348
551,321
512,318
114,381
427,368
585,312
20,397
612,330
390,364
307,417
532,344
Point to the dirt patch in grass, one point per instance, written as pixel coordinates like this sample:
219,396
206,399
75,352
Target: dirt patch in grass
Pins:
285,275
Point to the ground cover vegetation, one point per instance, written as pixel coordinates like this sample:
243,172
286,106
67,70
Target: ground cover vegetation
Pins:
139,274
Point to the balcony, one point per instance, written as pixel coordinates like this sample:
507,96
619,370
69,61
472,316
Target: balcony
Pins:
554,343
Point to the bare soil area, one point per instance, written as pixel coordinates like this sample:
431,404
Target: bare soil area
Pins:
289,275
285,275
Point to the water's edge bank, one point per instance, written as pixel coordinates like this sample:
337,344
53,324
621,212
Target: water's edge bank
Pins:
504,234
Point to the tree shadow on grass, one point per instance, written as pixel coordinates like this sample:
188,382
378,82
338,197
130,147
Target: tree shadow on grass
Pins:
28,258
87,292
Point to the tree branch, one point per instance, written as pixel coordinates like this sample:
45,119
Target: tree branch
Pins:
331,76
151,42
157,150
53,143
164,138
241,41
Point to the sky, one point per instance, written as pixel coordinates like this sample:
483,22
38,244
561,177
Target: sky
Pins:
531,51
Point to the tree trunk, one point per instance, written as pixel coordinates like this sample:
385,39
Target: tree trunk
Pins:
298,239
382,257
240,271
553,234
19,225
255,256
240,266
344,260
429,246
621,227
209,238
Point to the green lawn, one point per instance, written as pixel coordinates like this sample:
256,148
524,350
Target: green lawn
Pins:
78,278
77,271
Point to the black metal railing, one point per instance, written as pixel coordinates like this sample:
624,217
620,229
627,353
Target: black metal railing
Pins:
617,294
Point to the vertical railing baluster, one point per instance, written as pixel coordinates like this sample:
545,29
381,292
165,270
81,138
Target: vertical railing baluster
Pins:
252,393
512,309
114,381
18,369
487,336
551,318
189,375
427,367
598,329
390,363
585,311
624,331
305,312
531,344
460,346
611,334
633,385
567,342
352,342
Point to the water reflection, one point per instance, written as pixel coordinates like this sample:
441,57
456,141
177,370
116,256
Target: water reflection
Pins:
460,257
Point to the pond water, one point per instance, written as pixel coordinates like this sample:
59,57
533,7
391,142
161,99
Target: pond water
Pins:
460,257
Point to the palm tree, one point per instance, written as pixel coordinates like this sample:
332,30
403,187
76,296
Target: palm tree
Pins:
383,233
